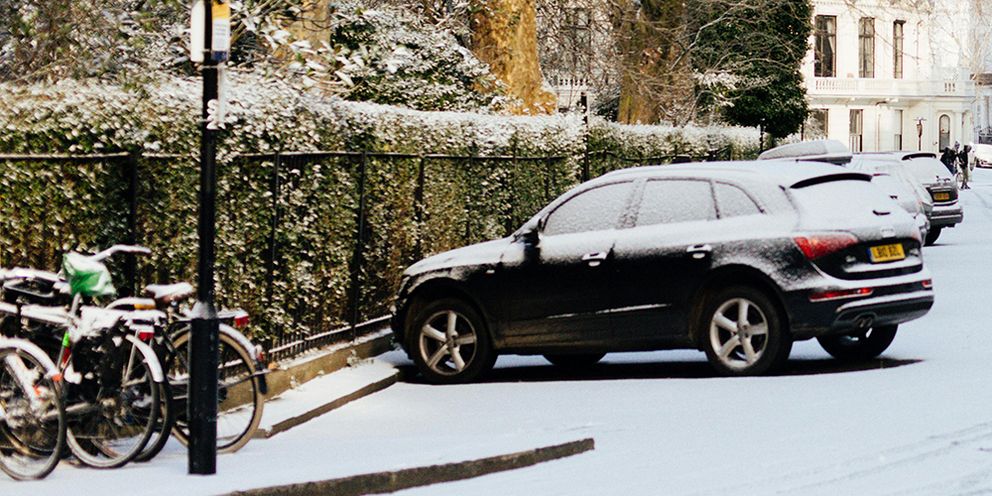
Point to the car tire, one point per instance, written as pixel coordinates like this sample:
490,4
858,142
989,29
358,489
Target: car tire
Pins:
575,361
859,346
932,236
742,332
449,342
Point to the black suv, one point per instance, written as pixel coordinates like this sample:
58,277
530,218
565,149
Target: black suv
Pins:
735,259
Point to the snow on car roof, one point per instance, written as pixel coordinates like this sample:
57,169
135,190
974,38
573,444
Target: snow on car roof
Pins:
786,173
824,150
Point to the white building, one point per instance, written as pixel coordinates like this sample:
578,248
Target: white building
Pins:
894,74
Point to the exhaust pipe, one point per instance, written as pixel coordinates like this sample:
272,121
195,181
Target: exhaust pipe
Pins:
864,322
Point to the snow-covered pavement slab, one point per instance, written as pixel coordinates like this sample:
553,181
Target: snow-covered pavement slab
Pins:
323,394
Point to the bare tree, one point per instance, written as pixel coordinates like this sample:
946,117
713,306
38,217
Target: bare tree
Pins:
660,55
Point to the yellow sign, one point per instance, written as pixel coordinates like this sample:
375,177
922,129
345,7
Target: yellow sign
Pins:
220,39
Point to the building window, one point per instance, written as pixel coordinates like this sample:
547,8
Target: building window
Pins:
898,38
825,47
898,127
857,130
819,119
866,47
945,131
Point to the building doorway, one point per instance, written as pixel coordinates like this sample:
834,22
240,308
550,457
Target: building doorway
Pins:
945,131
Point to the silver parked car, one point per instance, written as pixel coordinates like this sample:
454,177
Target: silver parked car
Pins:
930,174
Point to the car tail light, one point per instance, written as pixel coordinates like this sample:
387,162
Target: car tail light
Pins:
816,246
927,284
840,294
241,320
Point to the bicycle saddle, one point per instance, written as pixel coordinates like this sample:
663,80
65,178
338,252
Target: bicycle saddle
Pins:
169,292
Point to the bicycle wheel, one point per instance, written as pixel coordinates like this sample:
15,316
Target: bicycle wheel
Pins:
116,427
240,401
32,417
163,426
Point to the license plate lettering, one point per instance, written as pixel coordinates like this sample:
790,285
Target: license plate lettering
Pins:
887,253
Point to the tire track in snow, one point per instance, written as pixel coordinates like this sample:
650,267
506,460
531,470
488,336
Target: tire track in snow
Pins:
823,475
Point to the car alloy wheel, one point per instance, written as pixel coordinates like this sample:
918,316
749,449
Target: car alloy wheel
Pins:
743,334
447,340
739,333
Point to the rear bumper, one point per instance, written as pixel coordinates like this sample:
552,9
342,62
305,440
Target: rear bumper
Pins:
893,301
946,215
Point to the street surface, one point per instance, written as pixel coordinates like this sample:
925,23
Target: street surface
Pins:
918,421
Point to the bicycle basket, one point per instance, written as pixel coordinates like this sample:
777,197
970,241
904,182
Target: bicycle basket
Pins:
87,277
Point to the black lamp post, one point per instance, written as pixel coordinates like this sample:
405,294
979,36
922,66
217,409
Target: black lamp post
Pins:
203,344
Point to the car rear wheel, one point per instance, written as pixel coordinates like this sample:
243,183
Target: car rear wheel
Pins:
449,343
933,235
575,361
744,333
859,345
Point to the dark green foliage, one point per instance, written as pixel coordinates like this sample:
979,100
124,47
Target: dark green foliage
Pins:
758,48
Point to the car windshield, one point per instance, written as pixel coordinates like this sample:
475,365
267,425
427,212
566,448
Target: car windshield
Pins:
927,170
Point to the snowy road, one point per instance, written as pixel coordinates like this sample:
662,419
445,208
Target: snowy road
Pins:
919,422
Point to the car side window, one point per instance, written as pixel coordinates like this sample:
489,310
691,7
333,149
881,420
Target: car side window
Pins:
672,201
593,210
734,202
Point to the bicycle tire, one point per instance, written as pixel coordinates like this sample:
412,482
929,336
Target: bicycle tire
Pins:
163,427
85,436
31,447
240,431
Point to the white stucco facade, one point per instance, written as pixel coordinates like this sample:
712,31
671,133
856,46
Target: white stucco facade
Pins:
935,86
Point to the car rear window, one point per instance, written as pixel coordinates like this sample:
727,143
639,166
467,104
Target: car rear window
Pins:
840,198
927,169
734,202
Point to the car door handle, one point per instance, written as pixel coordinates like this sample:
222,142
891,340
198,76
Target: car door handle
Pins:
594,259
699,252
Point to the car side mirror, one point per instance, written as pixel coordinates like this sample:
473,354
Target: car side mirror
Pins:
531,236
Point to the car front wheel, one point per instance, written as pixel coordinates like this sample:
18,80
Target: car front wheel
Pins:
744,334
859,345
448,342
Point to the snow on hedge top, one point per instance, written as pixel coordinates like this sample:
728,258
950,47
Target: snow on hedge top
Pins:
265,115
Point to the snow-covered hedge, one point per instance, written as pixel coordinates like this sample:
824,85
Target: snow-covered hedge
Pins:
51,207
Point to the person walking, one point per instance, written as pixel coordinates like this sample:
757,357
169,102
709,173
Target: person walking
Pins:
966,161
948,157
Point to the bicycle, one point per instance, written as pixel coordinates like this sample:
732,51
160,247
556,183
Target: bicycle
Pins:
111,379
242,388
32,415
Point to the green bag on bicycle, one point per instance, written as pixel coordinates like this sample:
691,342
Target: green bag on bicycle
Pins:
87,277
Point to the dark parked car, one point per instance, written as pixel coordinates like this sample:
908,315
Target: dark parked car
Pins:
939,183
735,259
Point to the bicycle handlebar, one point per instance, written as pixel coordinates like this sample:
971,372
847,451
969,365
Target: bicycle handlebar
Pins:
138,250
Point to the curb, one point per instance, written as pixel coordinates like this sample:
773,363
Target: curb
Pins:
303,370
387,482
334,404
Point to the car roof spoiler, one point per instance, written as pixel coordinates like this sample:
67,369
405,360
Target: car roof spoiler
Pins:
828,151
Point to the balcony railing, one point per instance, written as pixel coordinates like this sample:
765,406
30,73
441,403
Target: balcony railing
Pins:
891,87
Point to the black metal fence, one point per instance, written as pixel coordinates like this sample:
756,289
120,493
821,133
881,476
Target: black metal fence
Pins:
320,238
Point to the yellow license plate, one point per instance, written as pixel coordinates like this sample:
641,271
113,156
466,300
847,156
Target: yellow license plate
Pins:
887,253
941,196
